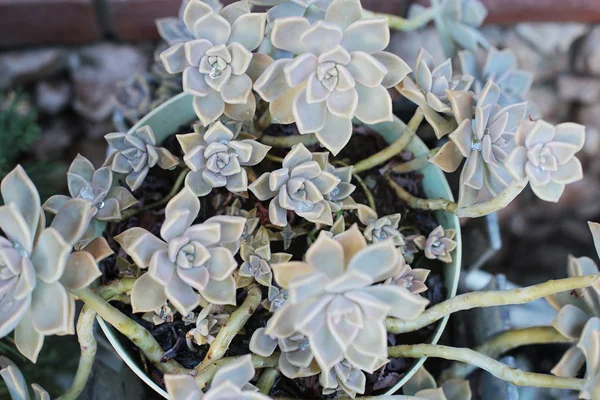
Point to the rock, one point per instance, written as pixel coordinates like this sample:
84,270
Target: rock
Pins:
587,59
582,89
52,96
96,70
551,38
25,66
407,45
56,138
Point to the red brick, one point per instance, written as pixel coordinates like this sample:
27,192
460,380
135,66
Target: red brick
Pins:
47,22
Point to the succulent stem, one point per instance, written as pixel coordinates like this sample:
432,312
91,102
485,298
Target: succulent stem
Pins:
274,158
503,343
88,345
267,380
489,298
496,368
393,149
416,202
115,288
132,330
416,163
204,377
405,24
234,324
288,141
174,190
495,204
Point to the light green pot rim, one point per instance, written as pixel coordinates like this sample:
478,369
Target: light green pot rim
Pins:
170,116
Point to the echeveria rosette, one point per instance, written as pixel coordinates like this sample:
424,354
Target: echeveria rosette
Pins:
457,22
422,385
485,139
16,384
340,72
343,377
257,258
378,229
208,323
216,159
96,187
218,65
501,67
439,244
409,278
231,381
339,198
190,258
295,360
428,90
545,156
335,301
134,154
37,268
299,186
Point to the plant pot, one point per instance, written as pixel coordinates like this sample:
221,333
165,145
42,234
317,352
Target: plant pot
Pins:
178,111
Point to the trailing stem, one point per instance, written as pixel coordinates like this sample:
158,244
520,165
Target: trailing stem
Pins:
132,330
289,141
406,24
393,149
416,202
267,380
234,324
88,345
115,288
490,298
204,377
174,190
496,368
505,342
416,163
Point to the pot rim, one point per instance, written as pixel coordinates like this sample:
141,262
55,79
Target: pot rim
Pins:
177,111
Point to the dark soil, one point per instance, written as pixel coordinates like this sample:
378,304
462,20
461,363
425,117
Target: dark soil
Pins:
171,336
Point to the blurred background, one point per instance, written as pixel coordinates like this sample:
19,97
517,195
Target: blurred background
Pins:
74,70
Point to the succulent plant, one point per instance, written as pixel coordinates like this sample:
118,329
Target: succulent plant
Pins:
339,198
343,377
485,139
218,65
16,384
299,186
409,248
163,314
439,244
252,221
134,154
276,297
230,382
96,187
347,311
428,90
589,346
340,72
173,29
208,323
313,10
191,258
423,386
411,279
457,23
133,100
378,229
501,67
295,359
37,267
258,258
545,155
216,159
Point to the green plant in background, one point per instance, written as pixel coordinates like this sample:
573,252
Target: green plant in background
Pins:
18,131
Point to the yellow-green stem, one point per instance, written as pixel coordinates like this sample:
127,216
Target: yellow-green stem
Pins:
88,345
489,298
496,368
234,324
416,202
115,288
505,342
415,164
289,141
267,380
132,330
393,149
204,377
